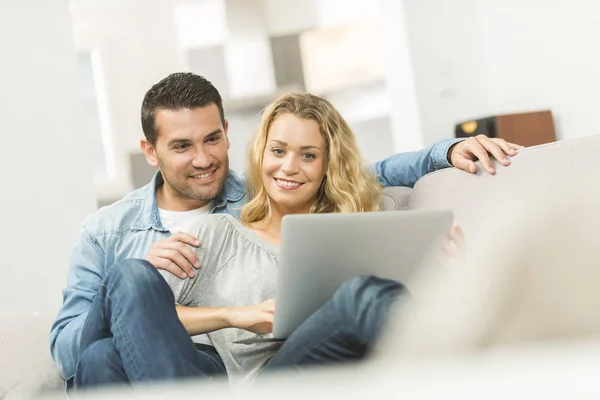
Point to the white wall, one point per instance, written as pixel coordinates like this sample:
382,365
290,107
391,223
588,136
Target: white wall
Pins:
405,122
46,176
141,41
544,54
448,68
482,57
137,41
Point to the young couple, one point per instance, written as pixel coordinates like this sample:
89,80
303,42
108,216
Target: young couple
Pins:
120,322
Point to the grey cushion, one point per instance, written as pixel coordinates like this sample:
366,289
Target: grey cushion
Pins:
395,198
26,369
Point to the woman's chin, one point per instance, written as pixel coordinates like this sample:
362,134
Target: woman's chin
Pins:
286,206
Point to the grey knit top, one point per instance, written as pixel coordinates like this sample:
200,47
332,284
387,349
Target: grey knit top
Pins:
237,269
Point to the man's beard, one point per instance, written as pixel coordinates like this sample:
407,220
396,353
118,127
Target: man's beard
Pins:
199,192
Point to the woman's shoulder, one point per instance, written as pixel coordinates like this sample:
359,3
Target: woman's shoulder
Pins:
225,231
211,224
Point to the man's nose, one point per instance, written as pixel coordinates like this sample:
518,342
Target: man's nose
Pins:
201,159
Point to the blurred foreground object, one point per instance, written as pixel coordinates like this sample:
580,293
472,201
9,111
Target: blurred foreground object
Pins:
531,277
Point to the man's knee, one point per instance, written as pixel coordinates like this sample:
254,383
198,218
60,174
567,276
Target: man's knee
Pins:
100,363
133,275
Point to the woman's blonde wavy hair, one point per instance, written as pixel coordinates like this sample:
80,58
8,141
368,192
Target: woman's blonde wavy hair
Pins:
348,185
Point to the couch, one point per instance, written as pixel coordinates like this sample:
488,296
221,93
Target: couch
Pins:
26,368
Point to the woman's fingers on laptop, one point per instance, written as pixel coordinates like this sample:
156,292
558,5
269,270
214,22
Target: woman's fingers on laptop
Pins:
457,237
175,255
455,247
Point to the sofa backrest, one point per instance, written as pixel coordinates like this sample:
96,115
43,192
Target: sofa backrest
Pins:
470,196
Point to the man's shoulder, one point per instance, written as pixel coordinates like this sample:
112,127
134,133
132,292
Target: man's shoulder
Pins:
117,217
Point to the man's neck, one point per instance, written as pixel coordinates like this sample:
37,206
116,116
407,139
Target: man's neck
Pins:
169,201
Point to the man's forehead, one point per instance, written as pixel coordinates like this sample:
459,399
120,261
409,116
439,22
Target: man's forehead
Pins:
199,121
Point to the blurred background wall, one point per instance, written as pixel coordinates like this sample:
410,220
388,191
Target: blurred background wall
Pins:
47,182
481,57
252,50
402,72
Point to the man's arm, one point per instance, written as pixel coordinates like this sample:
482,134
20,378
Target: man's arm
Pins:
405,169
84,280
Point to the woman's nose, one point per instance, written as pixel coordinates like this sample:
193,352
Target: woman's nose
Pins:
290,165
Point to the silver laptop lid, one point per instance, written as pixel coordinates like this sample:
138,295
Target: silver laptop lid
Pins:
321,251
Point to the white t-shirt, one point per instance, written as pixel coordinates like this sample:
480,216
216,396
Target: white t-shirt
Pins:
181,221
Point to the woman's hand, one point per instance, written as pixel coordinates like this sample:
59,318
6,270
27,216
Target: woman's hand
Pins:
454,249
257,318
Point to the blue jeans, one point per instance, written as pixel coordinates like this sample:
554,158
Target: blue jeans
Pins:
133,333
342,330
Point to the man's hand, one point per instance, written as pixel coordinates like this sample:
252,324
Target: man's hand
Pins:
174,255
464,154
257,318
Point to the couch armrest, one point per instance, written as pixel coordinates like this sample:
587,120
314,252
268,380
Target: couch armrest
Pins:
26,366
395,198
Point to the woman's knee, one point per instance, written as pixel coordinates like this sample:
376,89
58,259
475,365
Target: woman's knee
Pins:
360,292
363,302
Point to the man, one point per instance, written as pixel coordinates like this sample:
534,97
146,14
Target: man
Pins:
186,138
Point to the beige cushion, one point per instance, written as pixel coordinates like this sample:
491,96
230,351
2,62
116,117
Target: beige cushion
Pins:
26,369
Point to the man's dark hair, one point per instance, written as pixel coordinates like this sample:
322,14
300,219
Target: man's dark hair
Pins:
177,91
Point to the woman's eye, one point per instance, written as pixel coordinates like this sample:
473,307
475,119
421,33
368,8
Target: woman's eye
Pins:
309,156
278,152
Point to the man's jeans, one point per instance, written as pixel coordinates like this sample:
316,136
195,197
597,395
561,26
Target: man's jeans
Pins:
133,333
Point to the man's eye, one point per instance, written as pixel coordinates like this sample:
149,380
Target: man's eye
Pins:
213,139
180,147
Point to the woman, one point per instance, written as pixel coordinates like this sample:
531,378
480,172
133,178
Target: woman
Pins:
303,159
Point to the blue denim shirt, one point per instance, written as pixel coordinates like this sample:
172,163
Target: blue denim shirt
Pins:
129,227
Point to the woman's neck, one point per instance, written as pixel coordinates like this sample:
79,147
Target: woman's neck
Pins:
269,228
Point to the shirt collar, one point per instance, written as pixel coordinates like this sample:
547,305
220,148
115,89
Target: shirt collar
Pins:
148,217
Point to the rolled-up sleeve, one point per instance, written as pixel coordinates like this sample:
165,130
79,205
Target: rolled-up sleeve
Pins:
405,169
84,280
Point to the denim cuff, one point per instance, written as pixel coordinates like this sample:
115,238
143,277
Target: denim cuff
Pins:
439,153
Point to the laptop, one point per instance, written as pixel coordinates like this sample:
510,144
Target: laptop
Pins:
321,251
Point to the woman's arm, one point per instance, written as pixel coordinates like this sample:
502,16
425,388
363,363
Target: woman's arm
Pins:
257,318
